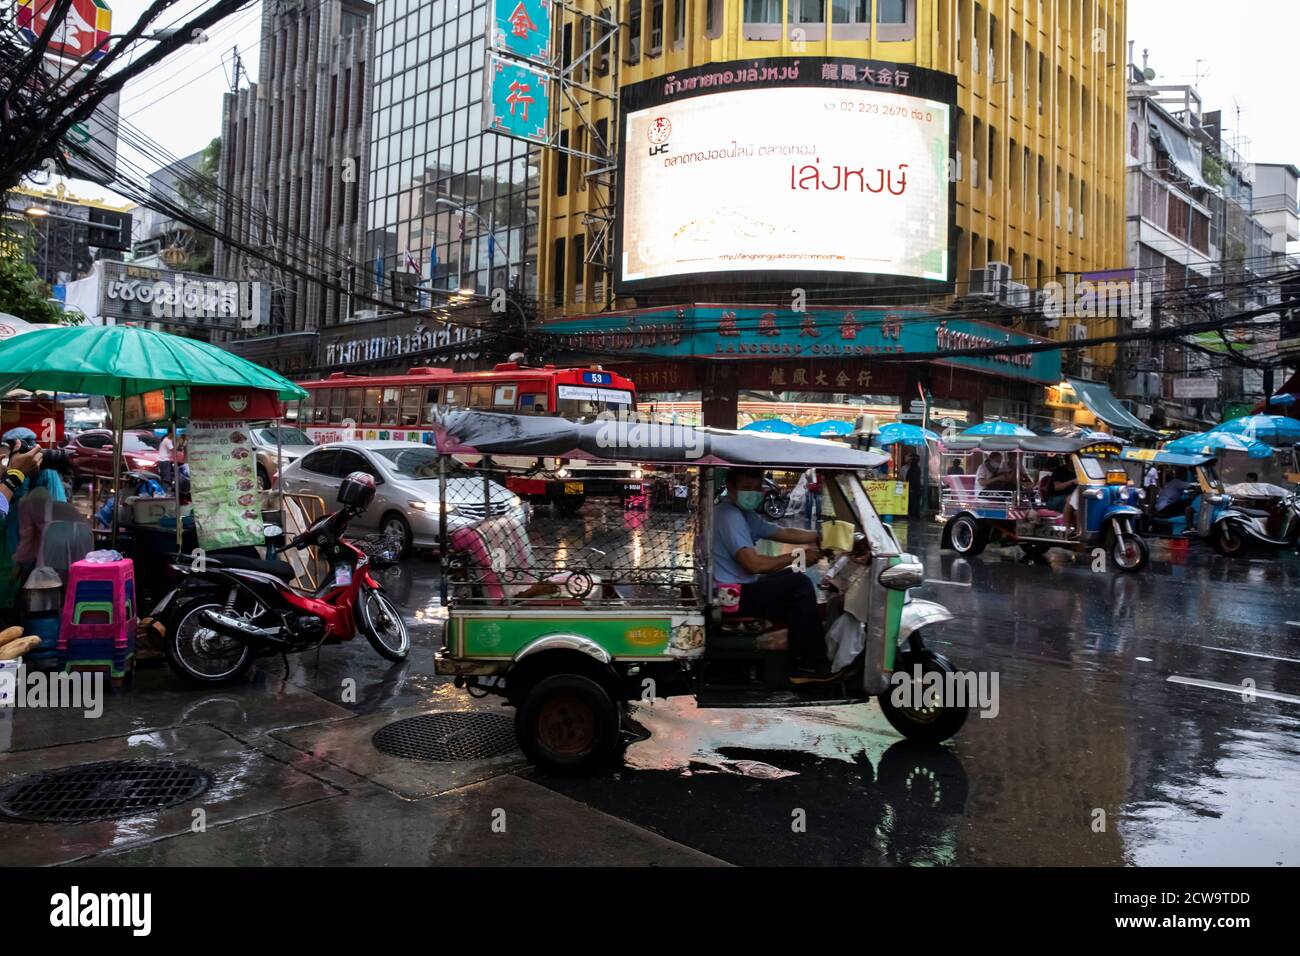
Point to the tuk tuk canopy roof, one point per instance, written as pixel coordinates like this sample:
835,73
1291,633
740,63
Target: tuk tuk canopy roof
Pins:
494,433
1158,456
1037,445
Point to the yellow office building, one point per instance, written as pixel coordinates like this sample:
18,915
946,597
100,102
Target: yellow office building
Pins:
1039,162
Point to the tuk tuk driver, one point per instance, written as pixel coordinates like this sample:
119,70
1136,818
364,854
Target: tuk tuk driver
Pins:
768,588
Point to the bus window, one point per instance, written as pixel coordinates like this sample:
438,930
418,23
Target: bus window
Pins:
504,397
532,403
480,396
320,411
370,407
455,396
352,409
333,398
295,410
430,404
389,412
410,406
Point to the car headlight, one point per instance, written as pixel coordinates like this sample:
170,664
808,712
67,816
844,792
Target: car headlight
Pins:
562,473
636,474
514,501
430,507
142,463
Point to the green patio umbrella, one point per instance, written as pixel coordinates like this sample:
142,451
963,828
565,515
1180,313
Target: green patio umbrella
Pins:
121,360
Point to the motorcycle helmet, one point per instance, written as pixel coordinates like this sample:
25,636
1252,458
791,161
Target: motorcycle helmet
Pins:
357,491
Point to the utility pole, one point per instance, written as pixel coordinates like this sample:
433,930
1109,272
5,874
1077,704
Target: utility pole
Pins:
237,70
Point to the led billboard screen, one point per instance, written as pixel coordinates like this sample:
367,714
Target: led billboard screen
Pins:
787,178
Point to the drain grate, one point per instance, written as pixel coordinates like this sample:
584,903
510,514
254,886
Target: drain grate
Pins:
101,791
454,736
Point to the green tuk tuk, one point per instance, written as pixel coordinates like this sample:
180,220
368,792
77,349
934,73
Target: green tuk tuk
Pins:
571,616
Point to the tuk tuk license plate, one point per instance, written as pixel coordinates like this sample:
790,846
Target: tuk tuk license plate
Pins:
573,487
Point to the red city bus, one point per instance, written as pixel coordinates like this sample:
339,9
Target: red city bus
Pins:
364,407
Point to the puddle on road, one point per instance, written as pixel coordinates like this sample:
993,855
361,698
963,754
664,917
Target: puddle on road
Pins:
682,734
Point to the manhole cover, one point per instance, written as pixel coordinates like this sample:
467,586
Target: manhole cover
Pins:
455,736
101,791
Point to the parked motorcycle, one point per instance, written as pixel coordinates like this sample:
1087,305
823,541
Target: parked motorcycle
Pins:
228,610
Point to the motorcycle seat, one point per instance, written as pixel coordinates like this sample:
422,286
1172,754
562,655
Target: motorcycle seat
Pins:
1253,512
281,569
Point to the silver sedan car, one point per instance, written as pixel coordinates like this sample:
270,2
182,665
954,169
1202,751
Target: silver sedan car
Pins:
405,506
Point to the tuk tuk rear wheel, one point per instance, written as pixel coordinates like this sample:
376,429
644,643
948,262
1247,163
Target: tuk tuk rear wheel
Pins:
568,724
966,536
924,724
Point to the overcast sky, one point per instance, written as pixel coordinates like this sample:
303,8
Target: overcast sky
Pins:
1247,60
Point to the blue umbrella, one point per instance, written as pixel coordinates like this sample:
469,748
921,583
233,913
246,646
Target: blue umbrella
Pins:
998,427
772,425
1214,442
1275,429
896,433
827,429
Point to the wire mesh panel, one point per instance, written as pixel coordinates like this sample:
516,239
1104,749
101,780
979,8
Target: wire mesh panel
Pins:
605,534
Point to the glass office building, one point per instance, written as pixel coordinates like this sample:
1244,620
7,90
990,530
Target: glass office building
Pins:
440,186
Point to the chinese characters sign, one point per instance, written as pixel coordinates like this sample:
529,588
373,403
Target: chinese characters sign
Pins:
521,28
724,332
517,100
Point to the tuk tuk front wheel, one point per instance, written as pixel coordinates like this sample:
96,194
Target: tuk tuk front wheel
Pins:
1128,551
908,707
568,724
967,537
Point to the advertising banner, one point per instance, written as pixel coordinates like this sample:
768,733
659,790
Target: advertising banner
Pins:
223,485
786,168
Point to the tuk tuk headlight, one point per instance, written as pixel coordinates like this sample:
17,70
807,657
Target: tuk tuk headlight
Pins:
1094,493
907,573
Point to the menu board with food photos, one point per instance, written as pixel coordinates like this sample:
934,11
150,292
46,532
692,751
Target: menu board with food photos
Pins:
223,484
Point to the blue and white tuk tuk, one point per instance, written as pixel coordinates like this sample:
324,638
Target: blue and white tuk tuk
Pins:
1103,505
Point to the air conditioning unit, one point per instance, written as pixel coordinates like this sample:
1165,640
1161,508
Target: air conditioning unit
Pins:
983,285
1000,271
1077,332
1017,295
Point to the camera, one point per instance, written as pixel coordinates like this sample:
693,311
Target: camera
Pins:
55,459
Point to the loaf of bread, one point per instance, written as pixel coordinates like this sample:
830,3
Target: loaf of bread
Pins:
10,634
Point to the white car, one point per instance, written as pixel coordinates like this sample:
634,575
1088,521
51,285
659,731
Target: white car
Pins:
406,489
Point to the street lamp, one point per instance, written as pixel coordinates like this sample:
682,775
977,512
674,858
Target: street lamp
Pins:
490,225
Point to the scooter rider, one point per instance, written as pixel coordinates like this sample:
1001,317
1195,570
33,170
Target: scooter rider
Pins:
768,588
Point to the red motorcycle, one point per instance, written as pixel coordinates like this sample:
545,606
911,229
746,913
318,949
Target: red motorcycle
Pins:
229,609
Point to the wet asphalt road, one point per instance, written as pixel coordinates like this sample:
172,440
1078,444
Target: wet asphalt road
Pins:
1122,737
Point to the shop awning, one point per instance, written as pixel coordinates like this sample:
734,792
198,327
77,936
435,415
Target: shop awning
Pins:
1183,152
1102,403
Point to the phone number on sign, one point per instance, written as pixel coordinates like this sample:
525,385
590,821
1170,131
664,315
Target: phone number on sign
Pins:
902,112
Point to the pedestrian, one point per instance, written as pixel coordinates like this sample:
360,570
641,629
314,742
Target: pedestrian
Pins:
915,487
